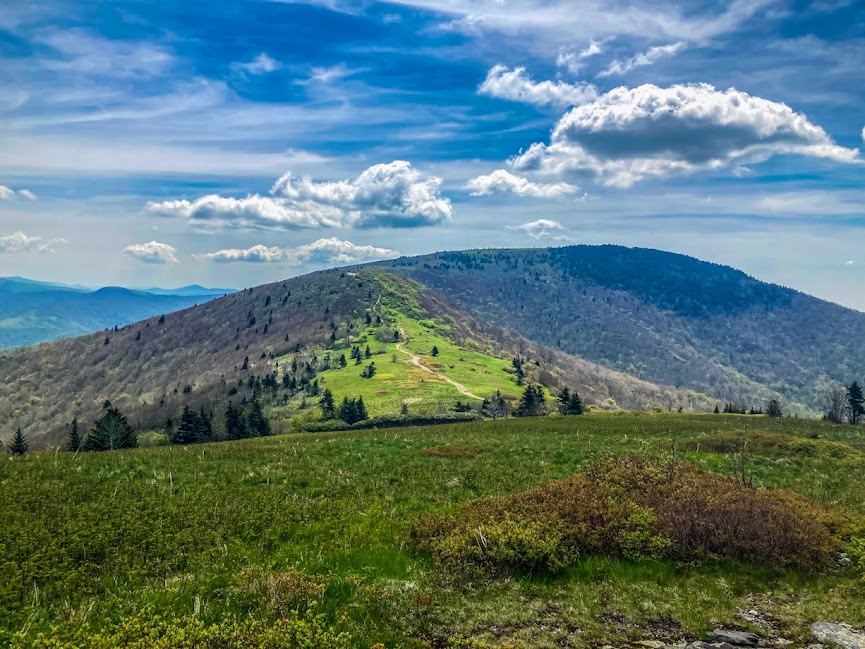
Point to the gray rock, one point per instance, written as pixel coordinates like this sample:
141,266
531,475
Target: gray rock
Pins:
840,634
737,638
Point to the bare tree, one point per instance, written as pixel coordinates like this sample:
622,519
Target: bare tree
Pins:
835,402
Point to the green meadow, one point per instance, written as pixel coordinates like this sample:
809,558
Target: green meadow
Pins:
248,533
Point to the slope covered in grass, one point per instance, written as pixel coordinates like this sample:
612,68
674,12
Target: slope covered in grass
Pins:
258,528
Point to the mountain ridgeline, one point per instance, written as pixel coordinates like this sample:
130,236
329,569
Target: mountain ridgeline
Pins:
626,328
659,316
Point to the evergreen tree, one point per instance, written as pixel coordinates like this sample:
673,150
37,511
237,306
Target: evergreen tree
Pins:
403,409
564,400
258,423
205,426
369,371
434,352
518,370
362,414
367,352
495,407
855,403
717,410
328,408
532,402
74,441
235,423
773,408
342,361
348,411
190,430
110,432
19,443
575,405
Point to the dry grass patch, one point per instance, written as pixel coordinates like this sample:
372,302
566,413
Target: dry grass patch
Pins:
456,451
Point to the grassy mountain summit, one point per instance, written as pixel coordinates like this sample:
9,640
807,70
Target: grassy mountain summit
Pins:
276,342
662,317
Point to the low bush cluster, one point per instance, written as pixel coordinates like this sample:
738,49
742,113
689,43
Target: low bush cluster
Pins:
391,421
149,631
769,443
632,507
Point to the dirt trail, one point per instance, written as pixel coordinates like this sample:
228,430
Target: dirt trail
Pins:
415,360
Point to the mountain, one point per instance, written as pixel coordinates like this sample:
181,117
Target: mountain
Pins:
32,312
193,290
659,316
270,341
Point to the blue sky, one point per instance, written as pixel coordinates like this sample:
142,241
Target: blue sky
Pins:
237,143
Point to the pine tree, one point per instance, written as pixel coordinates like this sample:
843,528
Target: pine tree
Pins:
532,402
235,423
258,424
342,361
348,411
518,370
575,405
773,408
564,400
495,407
205,426
362,414
190,430
717,410
111,431
855,403
434,352
74,441
367,352
328,408
19,443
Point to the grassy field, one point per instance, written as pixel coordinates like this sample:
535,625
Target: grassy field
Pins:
252,529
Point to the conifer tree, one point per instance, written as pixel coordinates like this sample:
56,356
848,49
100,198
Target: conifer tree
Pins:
575,405
19,443
434,352
495,407
362,414
235,423
855,403
564,400
328,408
190,429
532,402
74,441
258,424
111,431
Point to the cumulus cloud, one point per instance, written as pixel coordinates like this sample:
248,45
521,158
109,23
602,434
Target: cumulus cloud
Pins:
504,181
573,60
516,85
153,253
19,242
631,134
7,193
649,57
323,251
541,228
384,195
261,64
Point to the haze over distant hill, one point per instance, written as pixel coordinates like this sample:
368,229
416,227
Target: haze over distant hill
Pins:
32,312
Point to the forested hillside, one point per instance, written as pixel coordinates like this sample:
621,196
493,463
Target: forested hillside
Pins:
282,344
662,317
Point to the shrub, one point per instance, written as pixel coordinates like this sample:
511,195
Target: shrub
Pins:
633,508
326,426
399,421
281,592
768,443
149,631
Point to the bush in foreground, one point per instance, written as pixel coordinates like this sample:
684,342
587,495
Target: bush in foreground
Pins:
633,508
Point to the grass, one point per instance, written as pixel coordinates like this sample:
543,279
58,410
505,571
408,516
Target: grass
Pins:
91,539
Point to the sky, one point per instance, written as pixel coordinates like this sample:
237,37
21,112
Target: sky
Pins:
231,144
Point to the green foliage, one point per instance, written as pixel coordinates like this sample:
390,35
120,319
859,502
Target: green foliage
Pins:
259,425
855,403
111,431
327,404
18,446
74,441
532,402
352,410
194,428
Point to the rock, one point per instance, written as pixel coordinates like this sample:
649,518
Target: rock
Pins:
737,638
651,644
841,634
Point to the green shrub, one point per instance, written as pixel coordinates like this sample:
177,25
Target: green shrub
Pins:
769,443
326,426
149,631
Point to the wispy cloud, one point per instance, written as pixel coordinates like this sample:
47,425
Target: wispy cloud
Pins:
261,64
649,57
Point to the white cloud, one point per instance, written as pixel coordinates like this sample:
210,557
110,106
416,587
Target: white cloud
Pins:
83,53
541,228
322,252
19,242
849,262
631,134
261,64
504,181
7,193
153,253
573,60
384,195
649,57
516,85
325,75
